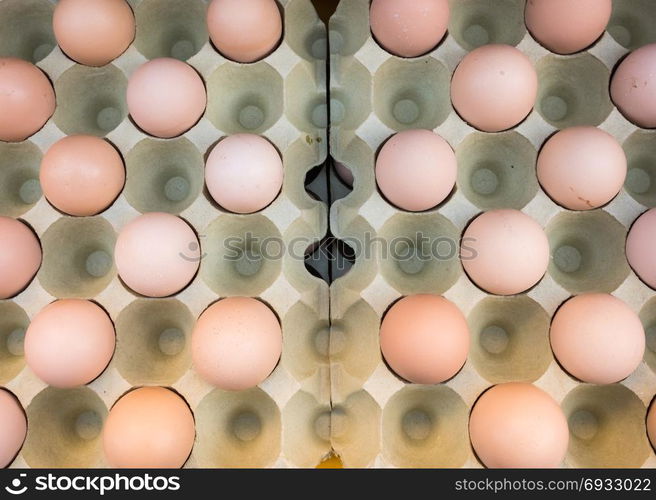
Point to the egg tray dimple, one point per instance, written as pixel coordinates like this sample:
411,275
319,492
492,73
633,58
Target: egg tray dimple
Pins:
284,422
380,420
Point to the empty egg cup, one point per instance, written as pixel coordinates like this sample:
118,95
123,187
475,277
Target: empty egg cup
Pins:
169,28
497,170
164,176
426,426
70,421
648,318
607,427
19,177
78,257
153,339
632,23
573,90
95,100
311,422
587,251
13,324
237,429
509,339
244,98
419,253
349,109
640,150
474,23
355,429
26,29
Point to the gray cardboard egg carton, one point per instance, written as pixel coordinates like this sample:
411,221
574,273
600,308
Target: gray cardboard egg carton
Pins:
380,420
285,421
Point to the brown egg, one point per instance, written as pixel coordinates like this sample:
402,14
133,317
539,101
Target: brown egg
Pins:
517,425
244,30
244,173
409,29
641,246
20,256
582,168
424,339
567,26
504,251
494,87
13,427
236,343
633,86
149,427
651,425
27,99
69,343
166,97
597,338
82,175
416,170
93,33
157,254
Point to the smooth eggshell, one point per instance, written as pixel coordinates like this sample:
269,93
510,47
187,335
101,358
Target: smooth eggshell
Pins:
157,254
82,175
409,29
344,173
582,168
651,425
567,26
494,87
166,97
633,86
13,427
149,427
505,251
597,338
69,343
244,173
517,425
93,32
20,256
27,99
244,30
424,339
416,170
641,247
236,343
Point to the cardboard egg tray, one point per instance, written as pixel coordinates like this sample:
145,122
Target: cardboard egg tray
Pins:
285,421
380,420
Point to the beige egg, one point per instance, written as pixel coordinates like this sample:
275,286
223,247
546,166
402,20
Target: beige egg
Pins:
149,427
82,175
494,87
157,254
27,99
597,338
504,251
166,97
641,247
244,173
93,32
409,29
633,86
416,170
582,168
424,339
69,343
20,256
236,343
651,425
567,26
517,425
244,30
13,427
